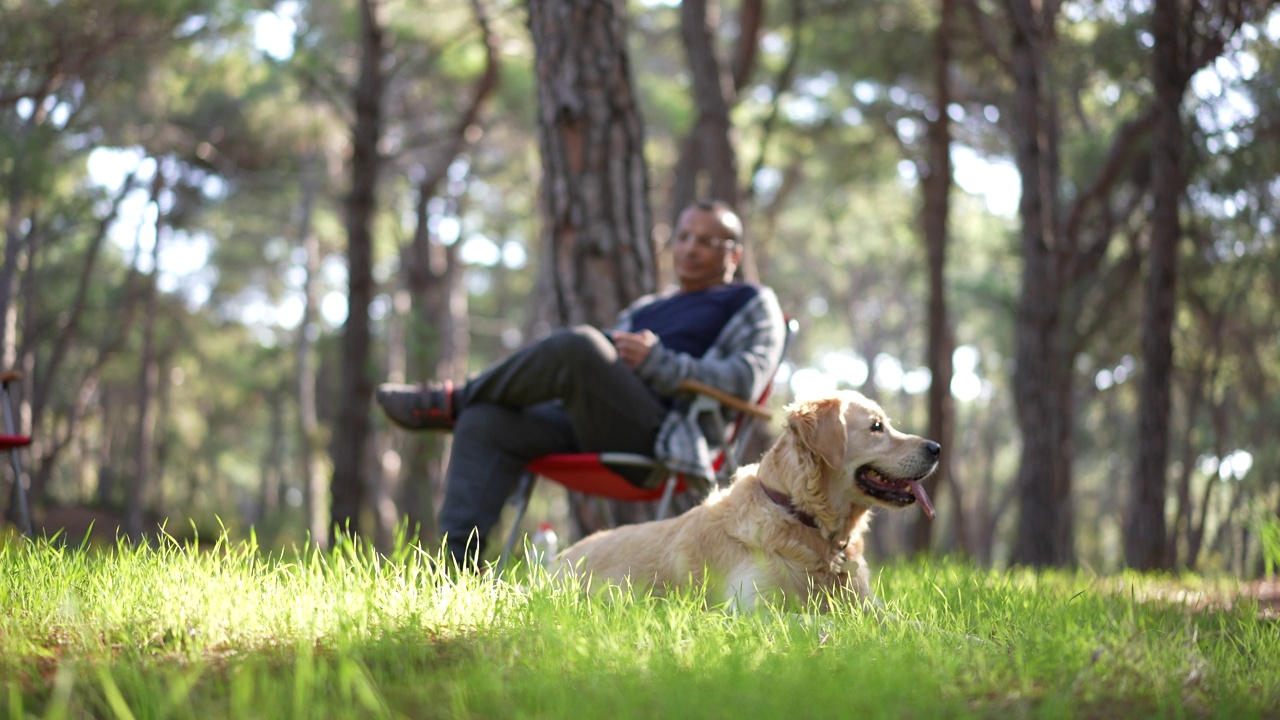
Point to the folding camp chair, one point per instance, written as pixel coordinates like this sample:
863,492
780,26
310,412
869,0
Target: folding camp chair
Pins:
11,441
595,474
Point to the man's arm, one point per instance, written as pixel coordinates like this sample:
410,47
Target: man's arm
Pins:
740,362
633,348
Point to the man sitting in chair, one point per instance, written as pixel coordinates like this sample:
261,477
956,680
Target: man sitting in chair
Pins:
581,389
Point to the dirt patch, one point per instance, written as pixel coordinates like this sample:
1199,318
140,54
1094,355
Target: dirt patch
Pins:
1267,593
1210,598
73,523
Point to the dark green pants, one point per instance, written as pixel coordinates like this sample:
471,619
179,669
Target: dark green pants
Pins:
568,392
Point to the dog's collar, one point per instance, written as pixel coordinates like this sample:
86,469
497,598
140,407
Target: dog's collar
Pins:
785,503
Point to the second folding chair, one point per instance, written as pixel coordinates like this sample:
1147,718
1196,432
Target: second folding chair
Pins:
10,441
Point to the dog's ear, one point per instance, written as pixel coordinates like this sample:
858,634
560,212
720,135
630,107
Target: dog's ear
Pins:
817,425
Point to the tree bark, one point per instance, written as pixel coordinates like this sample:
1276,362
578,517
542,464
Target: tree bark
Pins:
273,458
438,332
46,451
936,181
308,423
1042,377
1186,36
69,325
148,379
436,343
163,418
1195,394
707,151
1200,523
1144,536
351,442
1204,378
594,201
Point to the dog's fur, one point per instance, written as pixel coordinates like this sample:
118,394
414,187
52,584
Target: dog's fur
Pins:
745,547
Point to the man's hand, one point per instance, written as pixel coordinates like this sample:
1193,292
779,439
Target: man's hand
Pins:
633,348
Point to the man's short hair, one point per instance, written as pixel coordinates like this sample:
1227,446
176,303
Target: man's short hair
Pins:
728,217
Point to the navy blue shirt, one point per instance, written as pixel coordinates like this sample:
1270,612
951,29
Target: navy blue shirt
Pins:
690,322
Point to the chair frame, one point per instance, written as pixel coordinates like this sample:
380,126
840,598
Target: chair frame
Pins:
589,473
10,441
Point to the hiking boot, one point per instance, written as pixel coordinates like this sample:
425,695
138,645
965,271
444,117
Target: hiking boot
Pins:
415,407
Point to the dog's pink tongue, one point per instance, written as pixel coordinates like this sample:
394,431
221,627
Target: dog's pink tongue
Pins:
923,498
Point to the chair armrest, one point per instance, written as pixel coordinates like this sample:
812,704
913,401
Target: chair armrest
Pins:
725,399
628,459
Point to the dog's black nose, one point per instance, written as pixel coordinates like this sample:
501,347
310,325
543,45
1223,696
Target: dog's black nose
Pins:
933,448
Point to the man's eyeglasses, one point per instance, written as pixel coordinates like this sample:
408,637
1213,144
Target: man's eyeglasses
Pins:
705,242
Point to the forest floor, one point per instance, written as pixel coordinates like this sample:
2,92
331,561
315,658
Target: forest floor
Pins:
1266,592
1208,595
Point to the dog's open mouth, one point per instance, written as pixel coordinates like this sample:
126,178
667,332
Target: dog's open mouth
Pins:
892,490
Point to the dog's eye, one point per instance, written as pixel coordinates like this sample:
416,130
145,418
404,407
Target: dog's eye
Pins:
877,426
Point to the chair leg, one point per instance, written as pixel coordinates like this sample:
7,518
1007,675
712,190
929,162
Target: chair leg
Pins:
733,459
523,491
668,490
19,510
605,507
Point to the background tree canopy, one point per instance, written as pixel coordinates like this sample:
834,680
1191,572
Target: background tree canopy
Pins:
226,219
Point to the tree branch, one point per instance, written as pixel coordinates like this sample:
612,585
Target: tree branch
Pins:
1126,138
750,19
458,138
987,35
69,327
785,77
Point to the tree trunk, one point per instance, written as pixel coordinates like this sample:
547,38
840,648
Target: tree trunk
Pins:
273,459
438,331
594,202
1183,514
104,457
309,472
149,377
708,148
351,441
1232,552
436,345
1145,516
163,418
1042,377
936,184
46,451
989,508
69,323
1199,394
599,255
1200,523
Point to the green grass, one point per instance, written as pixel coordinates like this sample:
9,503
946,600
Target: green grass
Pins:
176,631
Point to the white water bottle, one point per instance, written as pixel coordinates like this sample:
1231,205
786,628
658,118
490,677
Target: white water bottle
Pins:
545,545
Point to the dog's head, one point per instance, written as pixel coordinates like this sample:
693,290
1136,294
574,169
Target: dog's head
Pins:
869,462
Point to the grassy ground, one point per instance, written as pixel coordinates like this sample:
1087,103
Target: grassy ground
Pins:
178,632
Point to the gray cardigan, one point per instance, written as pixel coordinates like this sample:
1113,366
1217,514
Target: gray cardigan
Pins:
741,361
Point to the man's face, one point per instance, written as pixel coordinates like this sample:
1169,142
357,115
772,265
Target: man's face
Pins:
703,254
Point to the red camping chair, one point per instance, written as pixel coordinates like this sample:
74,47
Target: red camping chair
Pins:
11,441
593,474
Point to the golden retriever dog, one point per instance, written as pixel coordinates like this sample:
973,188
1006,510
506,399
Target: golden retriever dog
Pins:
788,528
